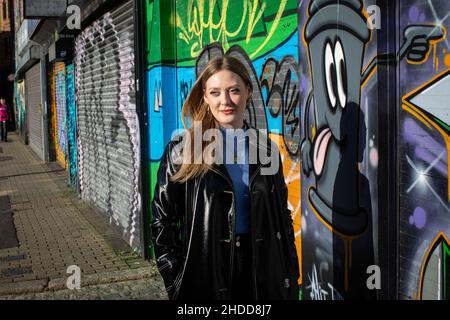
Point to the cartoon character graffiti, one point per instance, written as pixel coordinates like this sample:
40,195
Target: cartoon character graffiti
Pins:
336,34
336,49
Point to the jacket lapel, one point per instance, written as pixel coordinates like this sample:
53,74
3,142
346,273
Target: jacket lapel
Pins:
253,166
253,145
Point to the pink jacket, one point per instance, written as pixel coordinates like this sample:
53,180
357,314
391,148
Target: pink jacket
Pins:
4,116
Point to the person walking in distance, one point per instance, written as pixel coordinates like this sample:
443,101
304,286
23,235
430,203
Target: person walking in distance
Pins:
4,117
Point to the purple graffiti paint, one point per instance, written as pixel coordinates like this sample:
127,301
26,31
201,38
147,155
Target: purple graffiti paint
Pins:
413,14
419,218
305,84
413,133
429,158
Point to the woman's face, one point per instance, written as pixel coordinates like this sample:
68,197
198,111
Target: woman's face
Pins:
227,95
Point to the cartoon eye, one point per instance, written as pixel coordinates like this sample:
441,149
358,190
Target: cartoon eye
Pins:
341,70
330,74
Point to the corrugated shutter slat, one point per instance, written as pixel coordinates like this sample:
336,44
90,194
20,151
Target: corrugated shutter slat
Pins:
34,109
108,129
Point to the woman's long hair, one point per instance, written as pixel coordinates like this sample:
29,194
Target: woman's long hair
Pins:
197,111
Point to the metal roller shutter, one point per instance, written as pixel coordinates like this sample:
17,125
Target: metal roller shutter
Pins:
108,128
34,109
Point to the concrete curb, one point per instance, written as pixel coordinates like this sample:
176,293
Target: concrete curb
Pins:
104,278
38,286
24,287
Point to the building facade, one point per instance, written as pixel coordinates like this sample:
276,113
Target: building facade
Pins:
6,53
5,25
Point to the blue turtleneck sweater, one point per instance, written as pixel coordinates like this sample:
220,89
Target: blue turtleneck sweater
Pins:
239,173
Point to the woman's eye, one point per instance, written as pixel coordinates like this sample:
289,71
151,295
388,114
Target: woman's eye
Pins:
214,93
235,91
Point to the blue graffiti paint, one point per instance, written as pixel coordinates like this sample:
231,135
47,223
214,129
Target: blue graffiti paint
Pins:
162,113
168,88
71,127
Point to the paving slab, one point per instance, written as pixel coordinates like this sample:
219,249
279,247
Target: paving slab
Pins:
54,230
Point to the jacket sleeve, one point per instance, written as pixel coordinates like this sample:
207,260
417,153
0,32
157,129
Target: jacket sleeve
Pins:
165,222
281,184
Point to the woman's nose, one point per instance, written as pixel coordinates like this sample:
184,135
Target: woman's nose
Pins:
225,98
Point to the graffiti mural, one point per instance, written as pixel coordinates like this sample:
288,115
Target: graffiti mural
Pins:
72,136
57,114
20,111
338,181
314,69
59,83
424,157
256,26
261,34
339,147
434,282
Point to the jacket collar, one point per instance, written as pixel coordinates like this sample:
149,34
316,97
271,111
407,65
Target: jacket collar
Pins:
254,141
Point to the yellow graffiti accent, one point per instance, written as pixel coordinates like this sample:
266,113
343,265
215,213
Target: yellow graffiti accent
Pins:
252,21
272,30
369,77
435,58
314,131
235,33
210,22
183,35
197,28
198,21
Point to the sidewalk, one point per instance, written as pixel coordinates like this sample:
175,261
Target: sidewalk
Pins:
45,228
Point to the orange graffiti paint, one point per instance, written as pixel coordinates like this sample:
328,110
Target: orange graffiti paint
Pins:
291,170
447,60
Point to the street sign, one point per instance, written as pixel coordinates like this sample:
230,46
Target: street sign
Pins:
36,9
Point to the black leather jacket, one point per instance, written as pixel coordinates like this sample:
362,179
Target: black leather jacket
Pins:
193,232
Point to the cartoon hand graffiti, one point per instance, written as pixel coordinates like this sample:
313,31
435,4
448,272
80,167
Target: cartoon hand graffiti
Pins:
417,39
336,34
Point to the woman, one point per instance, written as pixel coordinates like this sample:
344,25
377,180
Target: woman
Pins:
4,117
222,231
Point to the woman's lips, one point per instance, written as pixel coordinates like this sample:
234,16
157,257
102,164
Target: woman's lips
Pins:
230,111
320,150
